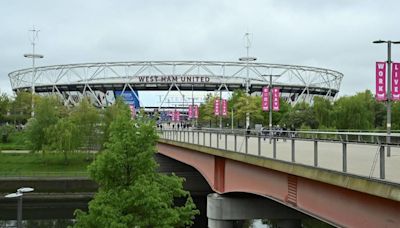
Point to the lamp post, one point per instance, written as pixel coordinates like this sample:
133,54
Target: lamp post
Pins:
20,192
247,59
389,89
270,104
33,56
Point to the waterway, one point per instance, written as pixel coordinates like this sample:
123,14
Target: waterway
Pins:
60,215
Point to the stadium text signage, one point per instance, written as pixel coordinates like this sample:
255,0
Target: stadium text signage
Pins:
177,79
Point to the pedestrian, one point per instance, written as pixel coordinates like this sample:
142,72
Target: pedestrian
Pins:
284,129
264,132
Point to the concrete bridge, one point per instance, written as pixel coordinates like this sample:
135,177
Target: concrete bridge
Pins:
344,179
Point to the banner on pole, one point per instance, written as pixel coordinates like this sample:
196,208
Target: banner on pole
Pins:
380,81
224,107
133,111
265,98
196,111
190,112
216,107
177,116
395,81
275,99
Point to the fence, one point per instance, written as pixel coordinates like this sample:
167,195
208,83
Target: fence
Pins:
367,148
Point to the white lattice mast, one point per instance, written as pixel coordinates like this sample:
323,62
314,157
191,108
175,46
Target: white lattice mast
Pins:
33,56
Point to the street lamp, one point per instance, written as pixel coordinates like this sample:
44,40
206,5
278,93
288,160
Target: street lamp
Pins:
33,56
389,89
270,103
247,59
20,192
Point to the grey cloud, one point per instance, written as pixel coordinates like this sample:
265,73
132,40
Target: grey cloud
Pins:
332,34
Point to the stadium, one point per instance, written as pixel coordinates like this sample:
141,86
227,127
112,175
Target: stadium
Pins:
103,82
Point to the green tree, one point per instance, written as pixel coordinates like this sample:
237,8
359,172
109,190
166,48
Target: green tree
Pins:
396,116
248,104
107,117
300,116
47,113
236,95
322,109
20,108
354,112
63,137
132,193
4,107
87,118
206,111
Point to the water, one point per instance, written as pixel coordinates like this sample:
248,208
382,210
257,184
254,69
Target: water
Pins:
60,215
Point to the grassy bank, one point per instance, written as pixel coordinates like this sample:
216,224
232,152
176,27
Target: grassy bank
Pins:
17,140
51,164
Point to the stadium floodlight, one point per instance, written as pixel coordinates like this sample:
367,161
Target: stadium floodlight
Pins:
247,58
37,56
33,56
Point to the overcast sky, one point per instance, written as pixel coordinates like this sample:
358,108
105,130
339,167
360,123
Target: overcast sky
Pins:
331,34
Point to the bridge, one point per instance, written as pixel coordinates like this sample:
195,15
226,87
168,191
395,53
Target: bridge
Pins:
342,178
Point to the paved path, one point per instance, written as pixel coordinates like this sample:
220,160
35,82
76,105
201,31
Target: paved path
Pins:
15,151
360,157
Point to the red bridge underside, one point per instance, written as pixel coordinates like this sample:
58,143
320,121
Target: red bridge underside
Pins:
337,205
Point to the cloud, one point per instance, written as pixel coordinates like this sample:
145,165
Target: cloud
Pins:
334,34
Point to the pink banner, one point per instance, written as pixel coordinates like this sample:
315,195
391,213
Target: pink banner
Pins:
196,111
224,107
172,114
177,116
216,107
380,81
265,98
275,99
395,81
190,112
133,111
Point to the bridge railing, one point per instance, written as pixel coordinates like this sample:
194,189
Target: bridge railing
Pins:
365,149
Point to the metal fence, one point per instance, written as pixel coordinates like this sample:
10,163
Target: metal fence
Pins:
366,153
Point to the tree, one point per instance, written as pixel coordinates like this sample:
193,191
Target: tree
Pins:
47,113
4,107
206,111
396,116
132,193
300,116
21,107
322,109
108,115
354,112
87,118
63,136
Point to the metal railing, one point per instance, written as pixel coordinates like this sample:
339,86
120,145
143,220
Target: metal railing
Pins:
21,174
259,143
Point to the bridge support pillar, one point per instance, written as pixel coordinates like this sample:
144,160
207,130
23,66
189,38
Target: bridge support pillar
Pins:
223,211
213,223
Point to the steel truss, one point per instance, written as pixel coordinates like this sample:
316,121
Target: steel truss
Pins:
72,82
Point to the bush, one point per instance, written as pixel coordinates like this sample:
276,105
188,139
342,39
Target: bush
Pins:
6,131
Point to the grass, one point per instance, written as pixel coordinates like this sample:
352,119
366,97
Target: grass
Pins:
35,164
16,141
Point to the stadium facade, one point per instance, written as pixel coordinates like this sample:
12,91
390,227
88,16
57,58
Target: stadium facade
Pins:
103,81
